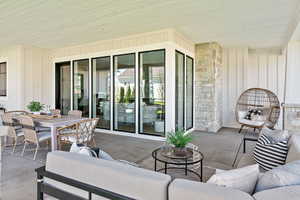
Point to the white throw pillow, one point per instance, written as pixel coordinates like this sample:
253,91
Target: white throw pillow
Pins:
243,179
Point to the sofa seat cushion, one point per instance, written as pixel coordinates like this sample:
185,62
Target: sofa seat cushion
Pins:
110,175
294,149
282,193
181,189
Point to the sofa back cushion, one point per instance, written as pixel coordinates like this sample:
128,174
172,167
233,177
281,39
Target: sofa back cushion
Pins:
181,189
286,175
286,193
294,148
110,175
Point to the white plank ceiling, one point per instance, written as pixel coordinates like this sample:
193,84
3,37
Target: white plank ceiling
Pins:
58,23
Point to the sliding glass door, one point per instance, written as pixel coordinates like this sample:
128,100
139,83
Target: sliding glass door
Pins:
189,92
180,92
101,91
81,86
152,92
63,87
124,93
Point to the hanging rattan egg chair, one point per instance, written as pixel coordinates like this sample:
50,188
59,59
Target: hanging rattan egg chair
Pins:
256,108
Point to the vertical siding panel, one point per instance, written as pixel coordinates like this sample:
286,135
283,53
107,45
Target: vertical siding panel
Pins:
232,82
281,77
226,86
272,73
240,73
253,76
263,71
246,68
243,70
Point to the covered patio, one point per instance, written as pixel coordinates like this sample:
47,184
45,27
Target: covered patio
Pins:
158,98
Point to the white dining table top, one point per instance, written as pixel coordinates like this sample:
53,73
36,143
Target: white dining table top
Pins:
59,121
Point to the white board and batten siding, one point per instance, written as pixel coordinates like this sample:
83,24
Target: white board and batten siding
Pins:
244,69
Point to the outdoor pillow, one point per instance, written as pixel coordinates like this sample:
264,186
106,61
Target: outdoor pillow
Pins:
243,179
286,175
268,154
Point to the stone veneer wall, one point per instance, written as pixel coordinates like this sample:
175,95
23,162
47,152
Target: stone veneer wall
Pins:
208,87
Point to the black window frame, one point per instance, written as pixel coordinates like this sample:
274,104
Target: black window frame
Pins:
176,92
73,81
139,100
57,83
92,90
114,105
193,70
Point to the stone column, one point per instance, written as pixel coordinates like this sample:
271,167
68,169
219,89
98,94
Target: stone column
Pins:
208,87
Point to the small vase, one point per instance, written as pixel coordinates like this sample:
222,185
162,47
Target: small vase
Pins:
179,151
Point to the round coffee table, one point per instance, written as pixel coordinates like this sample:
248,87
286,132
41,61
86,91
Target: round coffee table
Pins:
166,156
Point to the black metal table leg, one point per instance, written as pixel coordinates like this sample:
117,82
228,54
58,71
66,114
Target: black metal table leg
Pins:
155,165
201,171
166,166
186,167
244,146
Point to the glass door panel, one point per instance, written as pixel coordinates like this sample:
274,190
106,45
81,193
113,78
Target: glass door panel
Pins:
152,92
124,93
81,86
101,91
63,87
189,92
179,85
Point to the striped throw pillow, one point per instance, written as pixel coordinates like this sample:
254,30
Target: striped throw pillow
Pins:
269,155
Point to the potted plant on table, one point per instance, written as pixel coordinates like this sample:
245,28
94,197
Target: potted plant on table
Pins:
35,107
179,139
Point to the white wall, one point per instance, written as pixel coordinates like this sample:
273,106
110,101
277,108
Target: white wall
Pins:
15,88
243,69
293,73
36,64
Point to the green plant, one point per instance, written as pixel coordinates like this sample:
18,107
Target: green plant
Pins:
35,106
179,138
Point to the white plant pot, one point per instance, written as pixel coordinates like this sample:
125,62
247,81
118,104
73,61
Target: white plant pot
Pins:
36,113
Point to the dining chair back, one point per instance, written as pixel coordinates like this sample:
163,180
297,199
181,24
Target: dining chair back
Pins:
80,133
31,135
55,111
14,130
75,113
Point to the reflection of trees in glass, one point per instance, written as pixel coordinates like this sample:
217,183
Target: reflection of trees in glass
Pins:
122,95
128,95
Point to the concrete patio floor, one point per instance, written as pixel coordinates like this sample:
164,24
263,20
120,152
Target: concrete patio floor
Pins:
18,177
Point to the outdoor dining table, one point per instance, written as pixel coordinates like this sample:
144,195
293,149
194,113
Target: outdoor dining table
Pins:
55,123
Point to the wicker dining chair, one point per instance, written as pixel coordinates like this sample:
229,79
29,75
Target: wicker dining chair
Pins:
14,129
55,111
81,133
31,135
75,113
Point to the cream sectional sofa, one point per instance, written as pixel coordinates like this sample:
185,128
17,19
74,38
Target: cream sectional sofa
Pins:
144,184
